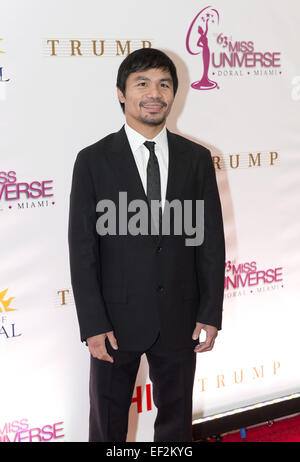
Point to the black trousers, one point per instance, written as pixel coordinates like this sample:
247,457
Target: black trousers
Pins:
112,385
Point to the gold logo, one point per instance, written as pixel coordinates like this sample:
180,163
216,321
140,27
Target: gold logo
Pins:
4,304
245,160
0,50
88,47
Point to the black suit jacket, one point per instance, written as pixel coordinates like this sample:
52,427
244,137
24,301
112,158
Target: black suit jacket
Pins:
140,285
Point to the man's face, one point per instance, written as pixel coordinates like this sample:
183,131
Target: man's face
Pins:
148,97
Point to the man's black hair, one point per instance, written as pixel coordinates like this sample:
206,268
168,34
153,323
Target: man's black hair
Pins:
142,60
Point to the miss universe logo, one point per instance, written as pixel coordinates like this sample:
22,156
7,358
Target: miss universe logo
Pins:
20,195
221,55
246,278
197,34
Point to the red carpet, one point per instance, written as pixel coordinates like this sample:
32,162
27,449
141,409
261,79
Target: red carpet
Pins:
286,430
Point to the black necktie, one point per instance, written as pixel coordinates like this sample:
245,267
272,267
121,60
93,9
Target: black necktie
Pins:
153,180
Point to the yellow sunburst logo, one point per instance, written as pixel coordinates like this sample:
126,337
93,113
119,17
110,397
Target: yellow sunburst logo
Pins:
0,50
4,304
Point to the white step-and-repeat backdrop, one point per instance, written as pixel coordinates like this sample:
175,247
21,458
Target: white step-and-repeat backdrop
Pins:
239,95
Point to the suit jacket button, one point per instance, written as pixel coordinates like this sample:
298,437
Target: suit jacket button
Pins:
158,250
160,289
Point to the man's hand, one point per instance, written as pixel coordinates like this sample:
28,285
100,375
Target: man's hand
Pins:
97,346
211,334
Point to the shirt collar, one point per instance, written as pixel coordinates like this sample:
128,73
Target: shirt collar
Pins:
136,140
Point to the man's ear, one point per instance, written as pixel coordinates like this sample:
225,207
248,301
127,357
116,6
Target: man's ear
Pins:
120,96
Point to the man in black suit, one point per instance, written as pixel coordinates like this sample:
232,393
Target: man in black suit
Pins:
149,292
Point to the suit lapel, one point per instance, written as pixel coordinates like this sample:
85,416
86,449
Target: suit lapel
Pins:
122,161
179,165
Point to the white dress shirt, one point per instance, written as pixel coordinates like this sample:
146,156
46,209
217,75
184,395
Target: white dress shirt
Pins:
141,156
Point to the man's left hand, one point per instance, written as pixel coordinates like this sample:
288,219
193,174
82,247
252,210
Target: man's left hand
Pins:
211,334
